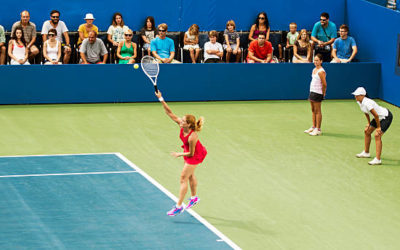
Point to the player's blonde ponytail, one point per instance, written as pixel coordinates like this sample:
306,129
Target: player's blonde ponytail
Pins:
193,124
199,123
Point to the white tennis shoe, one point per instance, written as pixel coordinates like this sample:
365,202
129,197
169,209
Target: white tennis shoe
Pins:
363,154
315,132
375,161
307,131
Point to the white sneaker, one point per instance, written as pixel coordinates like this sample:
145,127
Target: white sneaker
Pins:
375,161
363,154
307,131
315,132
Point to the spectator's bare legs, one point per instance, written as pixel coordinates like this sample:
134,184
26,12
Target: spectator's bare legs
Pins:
33,51
238,55
2,55
196,55
228,54
280,52
191,51
67,54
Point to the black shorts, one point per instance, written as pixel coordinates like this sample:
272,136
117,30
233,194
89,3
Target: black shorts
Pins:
315,97
385,123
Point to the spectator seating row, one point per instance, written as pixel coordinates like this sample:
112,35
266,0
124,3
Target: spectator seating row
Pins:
276,37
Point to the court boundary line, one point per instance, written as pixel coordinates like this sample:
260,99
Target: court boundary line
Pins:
174,198
155,183
63,174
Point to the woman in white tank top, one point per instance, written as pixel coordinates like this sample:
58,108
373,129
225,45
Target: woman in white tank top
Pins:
317,94
17,48
52,48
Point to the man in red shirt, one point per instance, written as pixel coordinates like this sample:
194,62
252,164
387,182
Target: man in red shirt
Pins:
260,50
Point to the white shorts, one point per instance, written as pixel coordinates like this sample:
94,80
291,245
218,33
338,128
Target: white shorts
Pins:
233,46
187,47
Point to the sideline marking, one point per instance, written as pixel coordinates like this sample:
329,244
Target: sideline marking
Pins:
174,198
58,174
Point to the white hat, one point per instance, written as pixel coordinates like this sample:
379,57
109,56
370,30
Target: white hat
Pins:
359,91
89,16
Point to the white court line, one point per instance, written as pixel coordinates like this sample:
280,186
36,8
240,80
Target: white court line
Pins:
58,174
15,156
173,197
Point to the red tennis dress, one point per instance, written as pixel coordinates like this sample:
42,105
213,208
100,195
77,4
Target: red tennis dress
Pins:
200,151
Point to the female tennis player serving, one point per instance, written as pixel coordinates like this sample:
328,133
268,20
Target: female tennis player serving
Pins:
193,154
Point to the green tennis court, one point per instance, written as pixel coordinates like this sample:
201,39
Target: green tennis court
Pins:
264,184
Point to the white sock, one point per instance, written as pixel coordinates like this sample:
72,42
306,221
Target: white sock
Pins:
193,197
177,206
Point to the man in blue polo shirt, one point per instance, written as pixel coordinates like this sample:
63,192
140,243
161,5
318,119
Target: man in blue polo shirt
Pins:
323,35
162,47
344,48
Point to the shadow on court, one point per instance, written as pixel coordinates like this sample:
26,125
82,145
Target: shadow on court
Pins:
344,136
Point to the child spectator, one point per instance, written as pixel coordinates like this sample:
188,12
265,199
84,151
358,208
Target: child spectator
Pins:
291,38
191,42
232,41
302,48
213,51
148,33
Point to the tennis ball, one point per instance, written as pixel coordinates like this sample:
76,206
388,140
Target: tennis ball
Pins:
136,66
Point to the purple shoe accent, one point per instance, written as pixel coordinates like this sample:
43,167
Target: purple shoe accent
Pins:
193,202
175,211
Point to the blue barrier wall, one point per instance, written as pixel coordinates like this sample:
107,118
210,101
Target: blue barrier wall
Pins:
185,82
178,14
376,31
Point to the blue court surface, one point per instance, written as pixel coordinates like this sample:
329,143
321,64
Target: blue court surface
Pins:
93,201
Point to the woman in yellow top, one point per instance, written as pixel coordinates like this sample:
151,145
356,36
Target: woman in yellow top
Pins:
86,27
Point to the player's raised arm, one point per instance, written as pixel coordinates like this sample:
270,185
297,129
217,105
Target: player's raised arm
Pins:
168,111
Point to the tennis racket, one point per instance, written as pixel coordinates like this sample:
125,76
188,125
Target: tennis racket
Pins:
151,68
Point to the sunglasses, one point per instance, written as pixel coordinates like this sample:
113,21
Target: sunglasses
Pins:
51,34
323,20
56,17
128,34
261,18
162,30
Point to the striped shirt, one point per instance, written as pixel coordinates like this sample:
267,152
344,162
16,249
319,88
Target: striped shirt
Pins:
29,30
316,83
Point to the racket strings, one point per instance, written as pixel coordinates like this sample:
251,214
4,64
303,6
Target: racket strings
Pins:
150,66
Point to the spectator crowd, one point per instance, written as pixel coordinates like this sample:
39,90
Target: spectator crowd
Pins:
121,46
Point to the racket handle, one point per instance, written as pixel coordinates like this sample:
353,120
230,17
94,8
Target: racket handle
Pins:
155,87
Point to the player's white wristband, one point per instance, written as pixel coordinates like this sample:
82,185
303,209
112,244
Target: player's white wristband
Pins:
161,99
